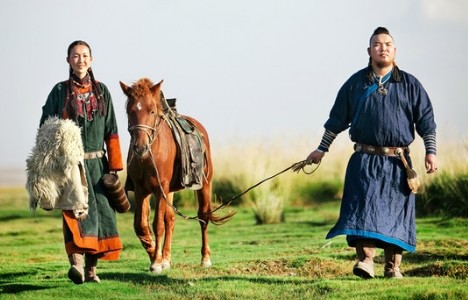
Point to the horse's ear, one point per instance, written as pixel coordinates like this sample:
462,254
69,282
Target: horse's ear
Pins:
156,88
125,88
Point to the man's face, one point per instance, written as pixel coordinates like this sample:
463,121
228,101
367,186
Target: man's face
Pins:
381,50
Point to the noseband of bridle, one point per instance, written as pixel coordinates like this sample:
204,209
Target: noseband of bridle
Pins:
150,131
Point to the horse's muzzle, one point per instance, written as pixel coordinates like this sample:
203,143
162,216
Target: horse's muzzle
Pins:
141,150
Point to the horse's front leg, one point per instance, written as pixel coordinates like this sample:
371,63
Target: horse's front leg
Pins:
141,222
169,222
159,232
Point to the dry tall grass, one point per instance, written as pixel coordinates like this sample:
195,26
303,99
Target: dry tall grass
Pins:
243,162
246,162
251,160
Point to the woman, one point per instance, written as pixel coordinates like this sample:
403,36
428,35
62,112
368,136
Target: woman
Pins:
89,103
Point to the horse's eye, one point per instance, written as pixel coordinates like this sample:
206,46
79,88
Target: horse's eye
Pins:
152,112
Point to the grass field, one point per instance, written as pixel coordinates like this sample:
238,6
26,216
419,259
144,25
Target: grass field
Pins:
290,260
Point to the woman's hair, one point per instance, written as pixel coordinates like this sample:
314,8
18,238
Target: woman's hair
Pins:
76,43
70,106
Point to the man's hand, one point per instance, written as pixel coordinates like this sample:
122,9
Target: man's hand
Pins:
315,157
431,163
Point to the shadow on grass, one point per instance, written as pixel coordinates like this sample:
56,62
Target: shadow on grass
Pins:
9,283
164,279
446,265
141,278
27,215
181,285
327,223
416,257
12,217
421,257
14,288
450,269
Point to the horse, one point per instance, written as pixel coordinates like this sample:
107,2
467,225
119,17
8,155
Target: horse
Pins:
152,164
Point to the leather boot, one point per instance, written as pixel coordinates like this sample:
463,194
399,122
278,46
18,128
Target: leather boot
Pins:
90,268
365,251
393,256
76,271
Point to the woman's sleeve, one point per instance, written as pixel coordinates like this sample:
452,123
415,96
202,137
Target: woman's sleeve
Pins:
111,135
52,105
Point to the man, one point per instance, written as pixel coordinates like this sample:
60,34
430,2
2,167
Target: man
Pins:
382,106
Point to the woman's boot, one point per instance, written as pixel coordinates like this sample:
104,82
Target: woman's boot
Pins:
393,256
90,268
76,271
365,251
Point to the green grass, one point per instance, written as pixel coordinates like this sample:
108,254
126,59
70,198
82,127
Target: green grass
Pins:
289,260
446,196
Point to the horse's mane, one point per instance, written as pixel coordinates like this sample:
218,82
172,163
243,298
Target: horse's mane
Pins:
141,87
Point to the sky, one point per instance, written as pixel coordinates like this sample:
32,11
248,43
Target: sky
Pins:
256,69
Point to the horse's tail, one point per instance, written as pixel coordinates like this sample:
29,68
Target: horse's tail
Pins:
220,220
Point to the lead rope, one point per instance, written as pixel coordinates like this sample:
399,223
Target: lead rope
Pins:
296,167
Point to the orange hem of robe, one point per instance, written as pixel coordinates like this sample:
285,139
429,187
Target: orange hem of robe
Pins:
107,249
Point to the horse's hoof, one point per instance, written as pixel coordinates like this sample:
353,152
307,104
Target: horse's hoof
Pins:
206,263
166,264
156,269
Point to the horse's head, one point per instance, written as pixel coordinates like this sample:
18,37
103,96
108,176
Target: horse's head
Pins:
143,111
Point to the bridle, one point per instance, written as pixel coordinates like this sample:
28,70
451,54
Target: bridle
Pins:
150,131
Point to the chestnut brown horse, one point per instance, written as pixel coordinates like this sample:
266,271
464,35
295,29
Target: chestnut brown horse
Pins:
151,166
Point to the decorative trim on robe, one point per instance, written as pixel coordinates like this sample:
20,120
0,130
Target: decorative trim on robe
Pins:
110,248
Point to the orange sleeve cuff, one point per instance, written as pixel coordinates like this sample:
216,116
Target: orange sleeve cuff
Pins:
114,153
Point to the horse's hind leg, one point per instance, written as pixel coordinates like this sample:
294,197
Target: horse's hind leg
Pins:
204,214
141,222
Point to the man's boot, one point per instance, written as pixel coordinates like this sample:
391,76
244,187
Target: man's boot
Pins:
393,256
365,251
76,271
90,268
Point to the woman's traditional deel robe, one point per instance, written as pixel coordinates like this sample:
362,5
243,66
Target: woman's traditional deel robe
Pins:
97,234
377,202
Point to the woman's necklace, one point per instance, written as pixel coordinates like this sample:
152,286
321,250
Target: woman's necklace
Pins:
381,80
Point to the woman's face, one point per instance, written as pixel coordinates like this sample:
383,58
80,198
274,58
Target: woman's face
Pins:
80,60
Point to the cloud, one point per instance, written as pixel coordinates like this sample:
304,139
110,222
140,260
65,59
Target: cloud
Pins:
453,11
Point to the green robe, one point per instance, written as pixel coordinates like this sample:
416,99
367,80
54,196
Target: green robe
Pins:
97,234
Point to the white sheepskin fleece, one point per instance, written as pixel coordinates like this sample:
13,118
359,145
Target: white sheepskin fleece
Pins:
55,169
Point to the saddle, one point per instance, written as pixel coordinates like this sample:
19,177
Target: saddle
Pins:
191,150
190,147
